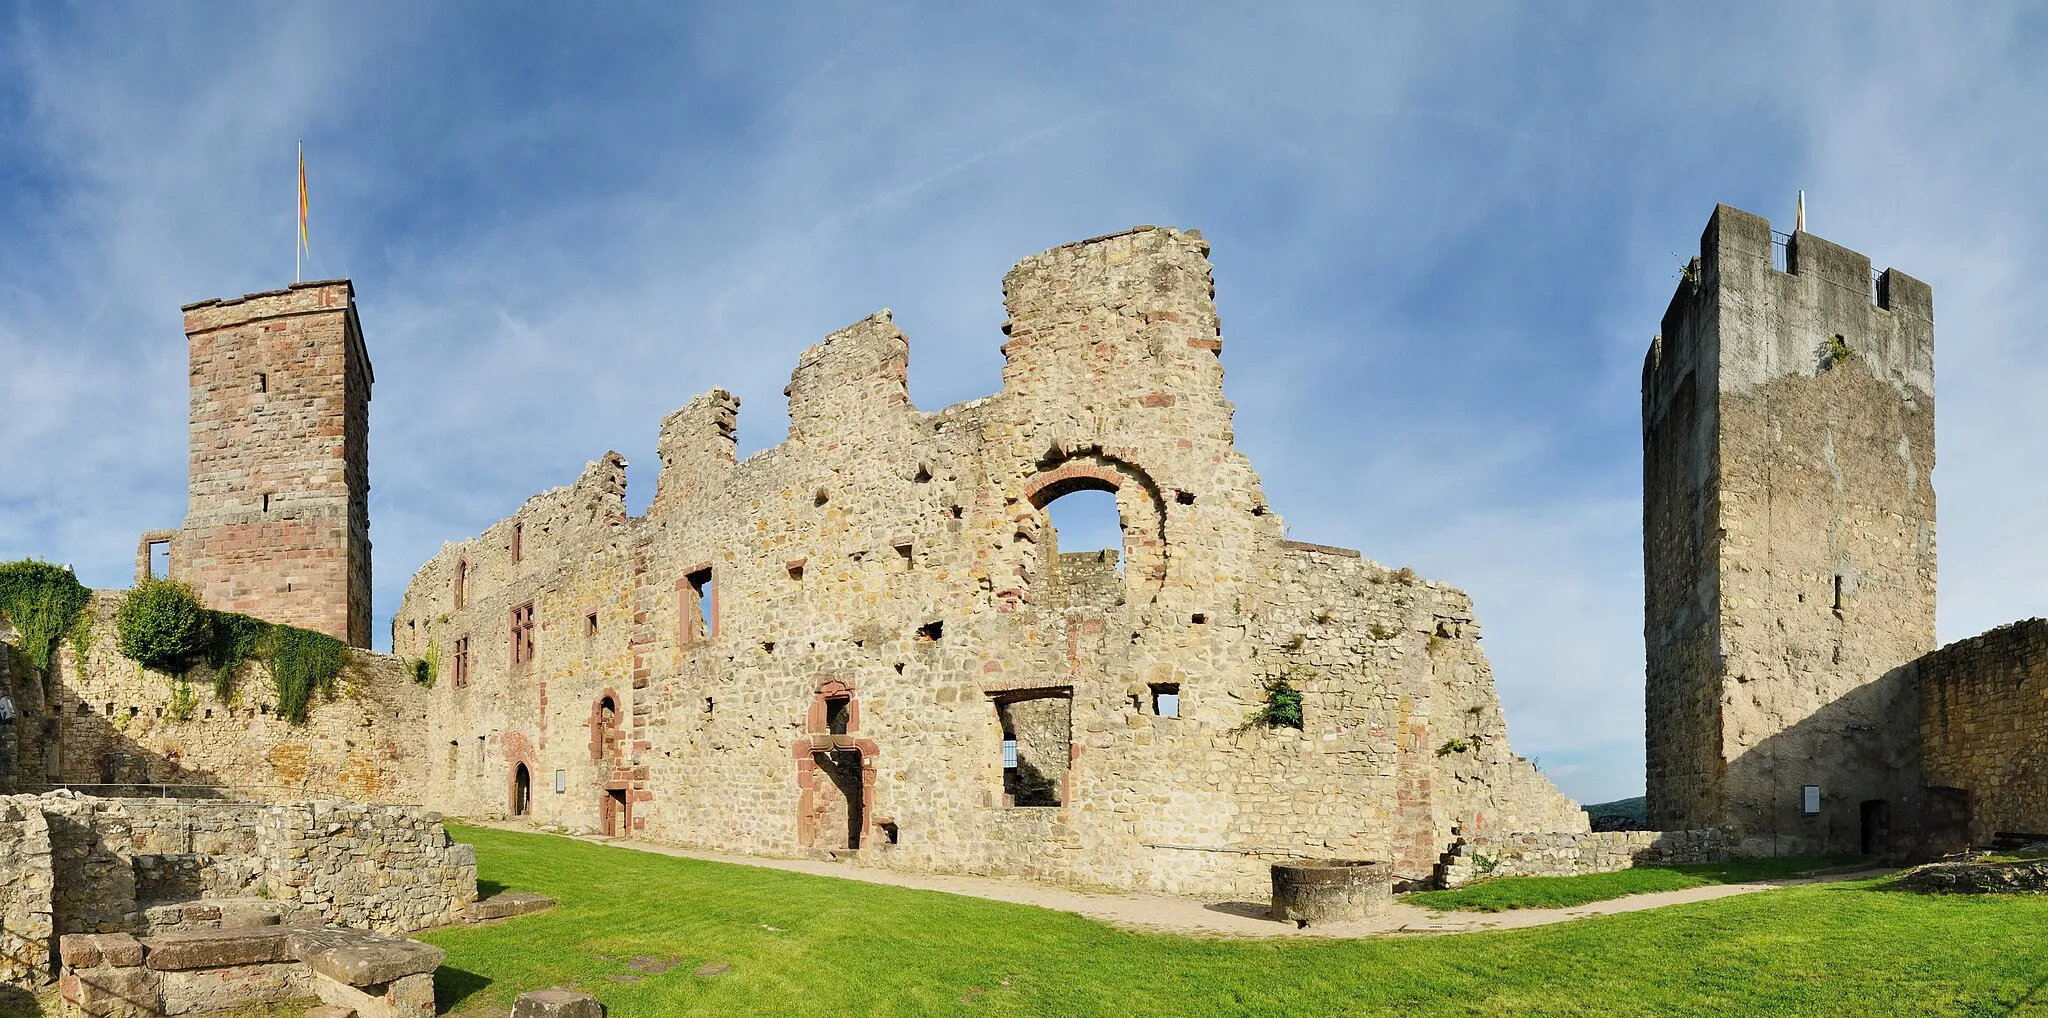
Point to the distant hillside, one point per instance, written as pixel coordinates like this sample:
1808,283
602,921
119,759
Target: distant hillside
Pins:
1619,815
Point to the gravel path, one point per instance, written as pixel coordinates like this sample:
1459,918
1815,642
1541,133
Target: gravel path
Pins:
1146,910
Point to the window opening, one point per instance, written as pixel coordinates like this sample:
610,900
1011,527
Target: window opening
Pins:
159,559
1037,731
703,607
838,714
890,835
461,583
518,541
1199,619
461,662
1087,521
1166,699
932,631
454,755
266,501
590,624
480,755
1838,591
903,552
262,382
796,570
1184,497
522,633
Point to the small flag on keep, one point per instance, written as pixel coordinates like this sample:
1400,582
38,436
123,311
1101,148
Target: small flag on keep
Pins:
303,242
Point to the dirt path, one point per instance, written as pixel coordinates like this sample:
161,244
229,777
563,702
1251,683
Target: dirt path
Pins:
1166,913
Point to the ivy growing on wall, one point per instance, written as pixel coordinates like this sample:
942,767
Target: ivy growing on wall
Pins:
164,626
44,602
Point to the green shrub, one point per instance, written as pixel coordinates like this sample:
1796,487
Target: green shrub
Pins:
183,701
1282,708
44,602
428,667
163,626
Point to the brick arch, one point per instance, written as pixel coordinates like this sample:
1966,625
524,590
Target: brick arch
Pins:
603,737
517,750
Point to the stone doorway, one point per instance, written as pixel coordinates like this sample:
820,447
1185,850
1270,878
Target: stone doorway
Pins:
840,810
522,791
1877,826
617,813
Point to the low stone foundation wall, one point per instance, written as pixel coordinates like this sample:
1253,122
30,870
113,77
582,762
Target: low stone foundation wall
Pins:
114,975
1574,853
78,865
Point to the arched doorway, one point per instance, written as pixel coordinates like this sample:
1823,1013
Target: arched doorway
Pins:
522,791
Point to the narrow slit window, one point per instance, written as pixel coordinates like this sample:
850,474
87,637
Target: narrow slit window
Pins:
518,542
262,382
1838,591
590,624
701,613
461,662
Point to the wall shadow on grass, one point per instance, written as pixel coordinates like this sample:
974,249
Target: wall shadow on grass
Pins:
452,986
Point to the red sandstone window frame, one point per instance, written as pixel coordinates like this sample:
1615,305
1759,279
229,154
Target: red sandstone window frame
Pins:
461,662
518,542
461,582
522,634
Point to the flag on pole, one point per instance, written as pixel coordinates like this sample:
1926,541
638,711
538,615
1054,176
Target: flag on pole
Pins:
304,244
1798,220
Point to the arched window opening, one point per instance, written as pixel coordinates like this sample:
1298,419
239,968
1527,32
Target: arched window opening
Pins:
1088,522
522,791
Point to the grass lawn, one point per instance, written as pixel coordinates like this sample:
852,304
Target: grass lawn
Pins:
804,945
1564,892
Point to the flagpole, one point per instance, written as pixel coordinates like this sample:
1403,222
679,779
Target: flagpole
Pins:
298,213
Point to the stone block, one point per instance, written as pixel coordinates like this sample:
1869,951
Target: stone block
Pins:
328,1011
230,986
106,992
405,997
506,904
120,950
194,949
359,958
79,950
557,1003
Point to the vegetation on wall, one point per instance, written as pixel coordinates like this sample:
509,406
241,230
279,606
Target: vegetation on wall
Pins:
1282,708
44,602
163,626
428,667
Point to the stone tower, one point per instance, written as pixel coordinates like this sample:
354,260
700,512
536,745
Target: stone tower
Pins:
278,524
1788,542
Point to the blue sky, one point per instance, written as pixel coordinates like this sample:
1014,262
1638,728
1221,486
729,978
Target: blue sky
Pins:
1443,236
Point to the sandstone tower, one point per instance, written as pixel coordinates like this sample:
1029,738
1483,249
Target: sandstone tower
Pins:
1788,542
278,524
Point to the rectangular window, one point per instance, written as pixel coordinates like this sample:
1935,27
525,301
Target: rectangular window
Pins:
461,662
1809,800
262,382
590,624
159,560
1037,727
1009,753
838,714
1166,699
518,540
480,755
522,633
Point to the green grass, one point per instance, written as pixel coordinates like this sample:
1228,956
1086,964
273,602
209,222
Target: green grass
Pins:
1564,892
804,945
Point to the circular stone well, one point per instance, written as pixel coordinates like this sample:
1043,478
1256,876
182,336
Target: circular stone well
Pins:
1331,890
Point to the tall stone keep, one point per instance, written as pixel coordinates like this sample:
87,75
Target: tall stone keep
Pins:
1788,541
279,524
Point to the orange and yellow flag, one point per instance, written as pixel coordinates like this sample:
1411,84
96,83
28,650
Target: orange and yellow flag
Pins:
303,242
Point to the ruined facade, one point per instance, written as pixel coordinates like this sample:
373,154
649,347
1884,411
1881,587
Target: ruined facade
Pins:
278,524
1788,542
865,641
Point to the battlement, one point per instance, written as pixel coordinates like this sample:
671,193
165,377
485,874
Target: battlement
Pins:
857,376
697,441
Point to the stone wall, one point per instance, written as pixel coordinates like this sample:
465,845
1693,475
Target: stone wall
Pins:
278,524
114,727
898,569
1788,428
1570,854
1981,705
79,864
27,911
